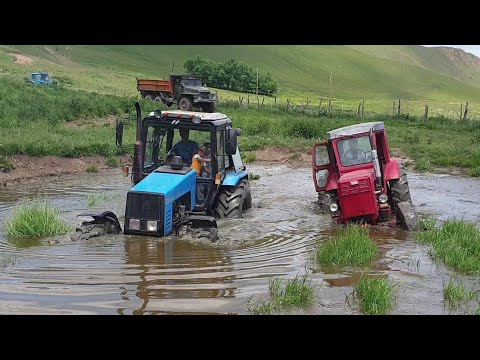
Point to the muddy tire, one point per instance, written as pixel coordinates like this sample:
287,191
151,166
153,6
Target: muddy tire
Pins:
185,104
399,190
232,200
247,204
149,97
324,200
406,215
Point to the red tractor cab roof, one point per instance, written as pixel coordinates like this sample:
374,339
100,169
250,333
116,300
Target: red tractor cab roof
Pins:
355,129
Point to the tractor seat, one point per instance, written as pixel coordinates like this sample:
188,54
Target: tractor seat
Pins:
177,163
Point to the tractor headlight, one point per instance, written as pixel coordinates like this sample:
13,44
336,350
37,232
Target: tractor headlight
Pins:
383,198
134,224
333,207
151,225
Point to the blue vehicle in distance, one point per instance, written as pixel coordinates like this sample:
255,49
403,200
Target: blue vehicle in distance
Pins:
42,78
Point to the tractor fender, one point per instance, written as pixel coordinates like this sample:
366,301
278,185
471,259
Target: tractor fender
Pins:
234,178
392,170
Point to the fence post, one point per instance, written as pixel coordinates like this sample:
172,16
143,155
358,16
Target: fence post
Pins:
263,99
363,106
425,116
461,111
358,110
465,112
398,113
288,103
275,100
393,109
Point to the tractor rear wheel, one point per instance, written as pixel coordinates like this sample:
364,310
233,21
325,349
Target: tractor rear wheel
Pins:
233,200
185,104
399,190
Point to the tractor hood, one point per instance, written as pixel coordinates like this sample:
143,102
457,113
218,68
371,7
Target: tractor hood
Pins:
172,184
150,203
357,193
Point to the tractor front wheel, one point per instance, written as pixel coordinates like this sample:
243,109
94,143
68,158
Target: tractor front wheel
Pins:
233,200
185,104
406,216
399,190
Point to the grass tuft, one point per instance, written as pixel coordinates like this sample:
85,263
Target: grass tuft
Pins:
457,243
35,219
456,294
296,292
376,295
351,246
91,169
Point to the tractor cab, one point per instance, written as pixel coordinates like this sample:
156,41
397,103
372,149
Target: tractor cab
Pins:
167,190
355,177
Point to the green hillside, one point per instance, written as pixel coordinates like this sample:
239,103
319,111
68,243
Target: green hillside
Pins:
443,60
377,73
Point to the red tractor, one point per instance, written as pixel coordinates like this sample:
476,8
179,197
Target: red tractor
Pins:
357,181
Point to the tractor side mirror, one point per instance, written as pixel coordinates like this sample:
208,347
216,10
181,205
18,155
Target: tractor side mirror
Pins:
119,132
231,141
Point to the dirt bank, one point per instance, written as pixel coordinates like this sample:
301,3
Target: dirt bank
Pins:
35,168
32,168
21,59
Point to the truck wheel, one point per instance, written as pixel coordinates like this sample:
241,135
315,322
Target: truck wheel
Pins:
185,104
149,97
169,104
406,216
399,190
232,200
158,99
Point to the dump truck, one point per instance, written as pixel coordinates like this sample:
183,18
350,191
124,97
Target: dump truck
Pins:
188,92
357,180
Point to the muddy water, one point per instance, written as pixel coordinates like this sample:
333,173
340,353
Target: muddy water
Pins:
136,275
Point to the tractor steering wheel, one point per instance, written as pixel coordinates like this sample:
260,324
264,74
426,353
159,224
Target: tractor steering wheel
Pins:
354,160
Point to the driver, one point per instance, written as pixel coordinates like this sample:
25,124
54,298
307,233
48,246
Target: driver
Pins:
354,155
185,147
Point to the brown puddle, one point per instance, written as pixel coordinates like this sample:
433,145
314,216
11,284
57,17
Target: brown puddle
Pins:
137,275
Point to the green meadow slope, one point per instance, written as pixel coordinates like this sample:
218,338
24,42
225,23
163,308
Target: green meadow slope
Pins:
377,72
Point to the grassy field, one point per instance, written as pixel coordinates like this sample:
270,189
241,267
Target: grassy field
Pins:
35,121
374,73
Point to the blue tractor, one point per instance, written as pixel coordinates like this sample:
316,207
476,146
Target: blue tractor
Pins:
168,194
42,78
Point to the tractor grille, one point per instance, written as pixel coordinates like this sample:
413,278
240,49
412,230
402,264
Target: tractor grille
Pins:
348,189
144,206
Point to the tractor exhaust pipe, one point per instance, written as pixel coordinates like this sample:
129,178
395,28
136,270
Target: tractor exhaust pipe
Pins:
376,166
138,150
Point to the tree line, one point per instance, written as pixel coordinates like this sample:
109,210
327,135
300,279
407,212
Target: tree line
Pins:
231,75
